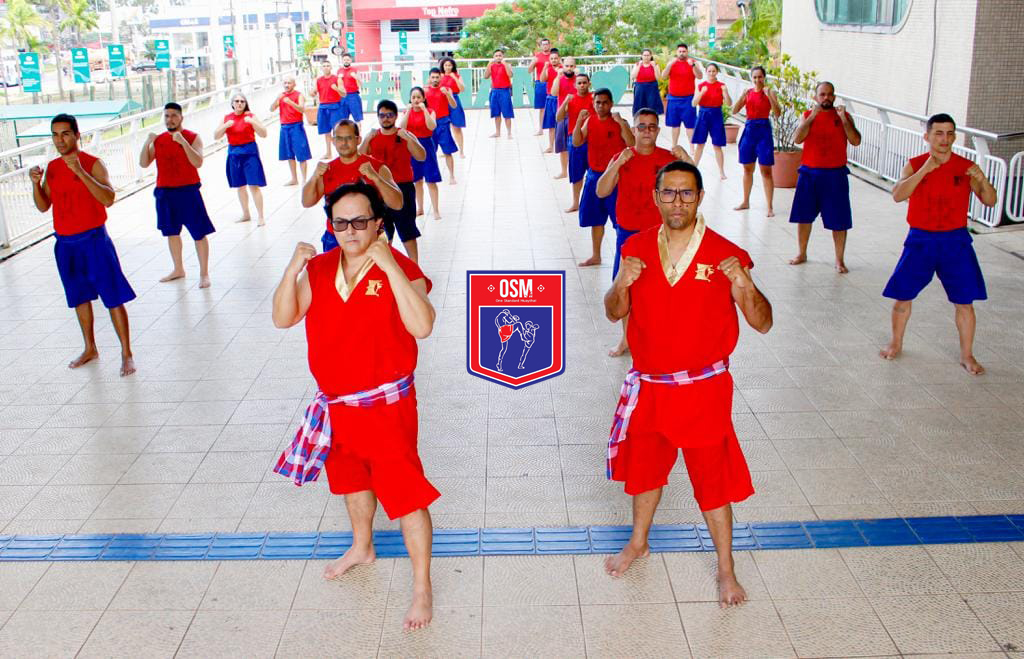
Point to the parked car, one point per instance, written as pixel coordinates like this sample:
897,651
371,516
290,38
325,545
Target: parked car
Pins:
144,65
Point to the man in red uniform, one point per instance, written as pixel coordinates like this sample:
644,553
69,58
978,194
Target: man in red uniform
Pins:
631,176
680,283
823,186
441,100
939,186
78,188
351,104
350,166
500,101
178,154
562,89
682,74
540,88
328,92
569,111
549,74
365,305
397,148
292,143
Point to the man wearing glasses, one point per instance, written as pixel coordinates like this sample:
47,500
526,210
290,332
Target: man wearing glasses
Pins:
680,283
397,148
365,305
350,166
631,174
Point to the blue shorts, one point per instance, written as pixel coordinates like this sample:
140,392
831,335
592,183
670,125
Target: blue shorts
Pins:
550,113
182,206
427,169
824,191
756,143
443,136
647,95
681,112
458,113
328,241
351,106
293,145
709,122
403,219
595,211
621,236
562,136
540,94
500,101
949,255
327,117
89,268
577,162
244,167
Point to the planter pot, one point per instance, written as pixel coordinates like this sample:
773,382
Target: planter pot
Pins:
732,133
784,171
311,115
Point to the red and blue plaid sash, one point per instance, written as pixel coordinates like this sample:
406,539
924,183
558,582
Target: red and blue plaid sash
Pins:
305,457
631,390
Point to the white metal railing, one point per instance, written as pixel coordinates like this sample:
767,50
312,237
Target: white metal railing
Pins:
1014,204
120,152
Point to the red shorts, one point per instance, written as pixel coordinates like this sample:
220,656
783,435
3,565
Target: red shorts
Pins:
696,418
374,448
505,333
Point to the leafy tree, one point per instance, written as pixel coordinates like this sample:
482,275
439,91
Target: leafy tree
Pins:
17,25
755,40
794,89
79,18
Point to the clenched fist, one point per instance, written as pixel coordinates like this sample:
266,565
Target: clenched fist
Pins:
629,271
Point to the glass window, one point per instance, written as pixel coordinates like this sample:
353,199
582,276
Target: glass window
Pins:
880,13
405,24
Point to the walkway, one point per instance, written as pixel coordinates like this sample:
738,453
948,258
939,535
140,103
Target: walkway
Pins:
186,446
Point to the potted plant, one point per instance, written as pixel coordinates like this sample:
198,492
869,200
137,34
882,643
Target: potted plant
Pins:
794,89
732,131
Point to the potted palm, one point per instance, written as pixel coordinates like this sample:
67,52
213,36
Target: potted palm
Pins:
795,89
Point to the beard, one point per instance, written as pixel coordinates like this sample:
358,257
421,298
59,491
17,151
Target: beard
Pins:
827,105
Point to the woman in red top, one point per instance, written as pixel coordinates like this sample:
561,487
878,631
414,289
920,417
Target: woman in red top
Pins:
756,142
644,77
244,168
419,120
710,97
451,79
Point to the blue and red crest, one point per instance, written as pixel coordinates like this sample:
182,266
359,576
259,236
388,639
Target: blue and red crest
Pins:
515,322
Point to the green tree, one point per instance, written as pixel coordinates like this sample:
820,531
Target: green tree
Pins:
755,40
79,18
17,25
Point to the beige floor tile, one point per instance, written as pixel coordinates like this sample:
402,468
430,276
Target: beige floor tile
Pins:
331,634
806,573
164,586
457,581
243,634
363,587
750,630
529,580
646,581
834,627
76,587
979,568
532,631
129,501
935,623
1003,616
534,494
17,580
46,633
137,633
454,632
885,571
694,576
826,487
662,632
249,585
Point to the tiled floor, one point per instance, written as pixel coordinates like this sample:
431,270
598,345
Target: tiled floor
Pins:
186,445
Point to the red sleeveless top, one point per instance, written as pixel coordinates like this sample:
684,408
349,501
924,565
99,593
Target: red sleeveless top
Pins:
74,208
173,170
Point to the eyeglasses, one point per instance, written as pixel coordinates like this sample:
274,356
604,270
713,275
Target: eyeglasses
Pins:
647,128
386,115
238,100
668,195
346,138
358,223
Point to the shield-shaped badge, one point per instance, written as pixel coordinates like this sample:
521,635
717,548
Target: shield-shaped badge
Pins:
515,325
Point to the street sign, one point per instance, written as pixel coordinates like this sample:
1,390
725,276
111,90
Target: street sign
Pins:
403,42
464,34
229,46
598,44
116,53
300,41
31,78
162,47
350,42
711,37
80,65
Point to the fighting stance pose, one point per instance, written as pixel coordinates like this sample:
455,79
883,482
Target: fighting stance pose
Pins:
682,74
756,144
244,167
822,185
540,88
528,334
681,283
420,121
644,77
563,87
506,324
351,104
569,111
500,73
549,75
328,91
939,185
292,144
78,188
451,80
365,305
179,154
710,97
441,101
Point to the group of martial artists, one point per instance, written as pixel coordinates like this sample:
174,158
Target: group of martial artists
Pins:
365,304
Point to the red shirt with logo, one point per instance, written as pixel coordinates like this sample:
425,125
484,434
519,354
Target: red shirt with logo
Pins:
74,208
942,200
635,209
681,80
577,104
173,170
825,146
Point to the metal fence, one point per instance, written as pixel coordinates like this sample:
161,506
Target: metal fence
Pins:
119,144
1015,189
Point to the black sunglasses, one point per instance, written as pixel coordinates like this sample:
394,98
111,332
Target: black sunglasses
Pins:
358,223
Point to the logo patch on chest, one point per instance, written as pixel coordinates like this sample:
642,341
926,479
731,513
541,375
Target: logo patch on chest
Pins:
373,287
704,272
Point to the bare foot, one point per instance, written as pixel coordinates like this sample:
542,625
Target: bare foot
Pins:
723,176
510,136
419,212
462,155
617,565
244,218
354,556
204,281
593,260
494,135
538,133
127,365
560,176
742,207
452,182
770,212
841,268
891,351
292,182
619,350
437,216
261,223
420,612
971,365
549,150
87,356
730,592
572,209
797,260
175,274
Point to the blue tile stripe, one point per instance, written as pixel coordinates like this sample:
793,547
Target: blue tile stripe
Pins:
516,541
